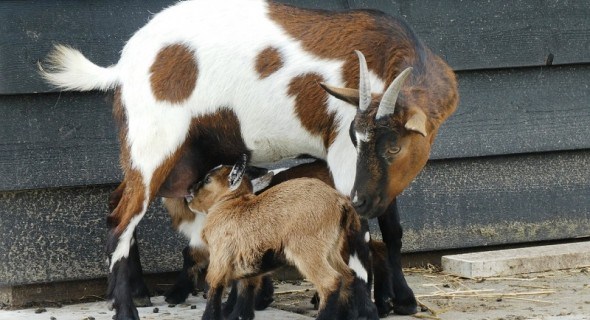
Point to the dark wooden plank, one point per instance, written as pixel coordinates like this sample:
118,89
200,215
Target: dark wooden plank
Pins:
470,35
518,111
51,140
60,234
497,200
497,34
30,28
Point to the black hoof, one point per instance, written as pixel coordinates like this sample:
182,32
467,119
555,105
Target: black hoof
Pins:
264,296
407,309
140,302
240,317
126,315
315,300
263,303
383,308
176,296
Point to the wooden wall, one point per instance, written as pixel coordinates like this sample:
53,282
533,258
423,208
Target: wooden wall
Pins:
512,165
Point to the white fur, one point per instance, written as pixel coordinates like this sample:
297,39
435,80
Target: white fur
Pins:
226,37
193,230
124,244
367,236
75,72
355,264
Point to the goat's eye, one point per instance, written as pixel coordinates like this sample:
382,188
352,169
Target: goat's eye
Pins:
207,180
393,150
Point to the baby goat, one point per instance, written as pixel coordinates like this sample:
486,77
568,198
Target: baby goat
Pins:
303,222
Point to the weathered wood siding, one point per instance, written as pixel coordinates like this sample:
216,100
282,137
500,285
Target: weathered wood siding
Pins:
512,165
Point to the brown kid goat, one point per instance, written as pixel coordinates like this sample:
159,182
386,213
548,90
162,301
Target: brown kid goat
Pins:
303,222
196,255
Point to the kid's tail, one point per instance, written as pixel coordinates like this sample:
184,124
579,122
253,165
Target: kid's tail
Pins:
68,69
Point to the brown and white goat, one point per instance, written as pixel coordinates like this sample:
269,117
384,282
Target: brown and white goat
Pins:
256,65
303,222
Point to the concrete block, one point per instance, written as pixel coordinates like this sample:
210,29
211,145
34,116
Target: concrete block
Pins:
517,261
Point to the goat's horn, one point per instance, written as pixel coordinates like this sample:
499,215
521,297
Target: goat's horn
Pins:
387,104
364,84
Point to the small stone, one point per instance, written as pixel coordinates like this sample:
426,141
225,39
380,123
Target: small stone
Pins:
40,310
52,318
499,300
423,308
446,285
156,310
171,305
193,307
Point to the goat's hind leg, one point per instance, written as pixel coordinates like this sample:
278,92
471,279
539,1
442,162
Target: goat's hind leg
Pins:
121,225
139,291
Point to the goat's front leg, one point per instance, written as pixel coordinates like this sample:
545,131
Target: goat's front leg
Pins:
243,308
263,296
404,301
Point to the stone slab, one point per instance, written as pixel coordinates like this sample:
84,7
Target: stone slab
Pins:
517,261
99,311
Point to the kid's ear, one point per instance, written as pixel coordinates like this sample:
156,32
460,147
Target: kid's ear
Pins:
237,173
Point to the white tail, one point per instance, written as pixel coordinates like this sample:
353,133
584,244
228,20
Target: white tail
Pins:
68,69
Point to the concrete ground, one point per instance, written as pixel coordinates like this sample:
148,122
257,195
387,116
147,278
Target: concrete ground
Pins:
555,295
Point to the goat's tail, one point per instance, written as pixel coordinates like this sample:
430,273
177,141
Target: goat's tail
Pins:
68,69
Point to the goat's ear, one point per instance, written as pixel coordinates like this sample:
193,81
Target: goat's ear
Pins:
345,94
237,173
417,121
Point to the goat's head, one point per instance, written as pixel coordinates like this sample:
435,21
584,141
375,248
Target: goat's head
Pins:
217,183
391,139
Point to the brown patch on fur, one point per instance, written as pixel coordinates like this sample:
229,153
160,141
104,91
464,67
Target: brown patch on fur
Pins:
336,35
174,73
213,139
311,106
268,61
388,45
